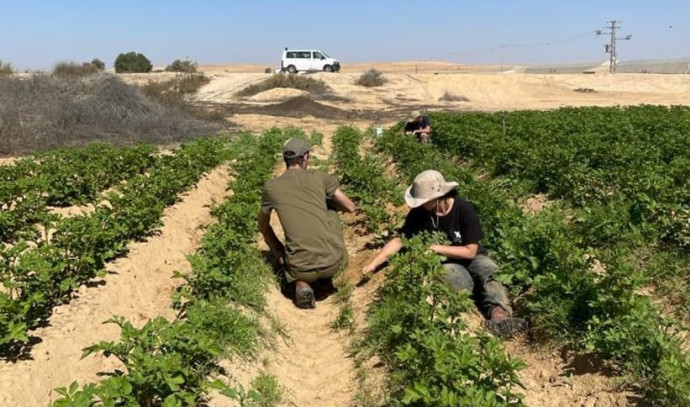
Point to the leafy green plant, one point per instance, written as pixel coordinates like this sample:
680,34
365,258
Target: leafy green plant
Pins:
169,363
46,274
367,184
550,258
417,329
132,62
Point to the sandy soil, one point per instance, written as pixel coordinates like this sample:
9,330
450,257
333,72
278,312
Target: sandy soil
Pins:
137,287
485,91
562,379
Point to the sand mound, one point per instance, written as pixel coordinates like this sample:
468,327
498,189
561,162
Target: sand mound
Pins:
278,94
302,106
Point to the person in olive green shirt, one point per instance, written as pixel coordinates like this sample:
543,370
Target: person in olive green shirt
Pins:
314,247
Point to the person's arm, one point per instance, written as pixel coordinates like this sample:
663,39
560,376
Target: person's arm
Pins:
391,248
424,130
426,127
408,128
342,201
269,235
456,252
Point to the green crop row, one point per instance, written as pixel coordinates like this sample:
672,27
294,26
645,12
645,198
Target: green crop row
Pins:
433,359
365,181
168,363
630,163
545,261
36,277
63,177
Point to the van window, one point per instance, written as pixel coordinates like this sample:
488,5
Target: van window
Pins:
305,55
317,55
291,54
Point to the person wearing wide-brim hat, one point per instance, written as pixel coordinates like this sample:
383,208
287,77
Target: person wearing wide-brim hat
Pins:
305,200
437,207
419,126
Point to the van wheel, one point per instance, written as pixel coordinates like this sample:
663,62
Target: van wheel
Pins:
328,68
291,69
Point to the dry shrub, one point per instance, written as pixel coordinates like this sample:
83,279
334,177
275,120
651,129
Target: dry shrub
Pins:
74,70
5,68
371,78
311,85
185,66
268,70
452,97
46,111
176,91
98,64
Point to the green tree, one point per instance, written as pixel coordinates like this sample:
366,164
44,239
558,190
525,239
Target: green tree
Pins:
132,62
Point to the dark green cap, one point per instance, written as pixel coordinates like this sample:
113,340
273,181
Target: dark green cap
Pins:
295,147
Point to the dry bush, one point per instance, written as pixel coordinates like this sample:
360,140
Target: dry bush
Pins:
452,97
5,68
311,85
371,78
176,91
268,70
74,70
45,111
185,66
98,64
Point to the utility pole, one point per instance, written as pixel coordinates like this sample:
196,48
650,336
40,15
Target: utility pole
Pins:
611,46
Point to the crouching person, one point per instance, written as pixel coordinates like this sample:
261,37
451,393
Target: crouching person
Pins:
436,207
314,249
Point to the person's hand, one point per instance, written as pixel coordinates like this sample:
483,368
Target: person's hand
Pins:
368,269
434,248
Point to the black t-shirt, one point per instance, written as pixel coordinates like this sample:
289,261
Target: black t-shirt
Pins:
412,126
461,225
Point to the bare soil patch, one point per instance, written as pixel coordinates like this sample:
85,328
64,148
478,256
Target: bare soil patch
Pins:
559,378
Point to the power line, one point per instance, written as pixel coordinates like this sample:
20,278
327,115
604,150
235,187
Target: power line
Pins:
501,47
611,46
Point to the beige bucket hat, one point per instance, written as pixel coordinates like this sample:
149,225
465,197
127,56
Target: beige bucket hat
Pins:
414,115
427,185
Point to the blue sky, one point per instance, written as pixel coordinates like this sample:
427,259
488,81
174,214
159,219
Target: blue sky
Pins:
36,34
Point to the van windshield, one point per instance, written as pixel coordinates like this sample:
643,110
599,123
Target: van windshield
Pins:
323,53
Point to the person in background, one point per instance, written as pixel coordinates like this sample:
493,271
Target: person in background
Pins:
419,126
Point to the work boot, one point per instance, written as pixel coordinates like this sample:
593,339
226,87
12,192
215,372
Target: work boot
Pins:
503,325
304,296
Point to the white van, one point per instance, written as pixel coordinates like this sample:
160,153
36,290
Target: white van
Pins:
296,60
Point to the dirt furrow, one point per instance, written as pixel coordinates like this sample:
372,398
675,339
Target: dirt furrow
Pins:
310,362
137,287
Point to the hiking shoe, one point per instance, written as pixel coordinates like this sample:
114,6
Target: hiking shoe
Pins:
506,327
304,298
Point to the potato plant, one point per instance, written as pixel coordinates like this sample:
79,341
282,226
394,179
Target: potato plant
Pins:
546,258
169,363
37,277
